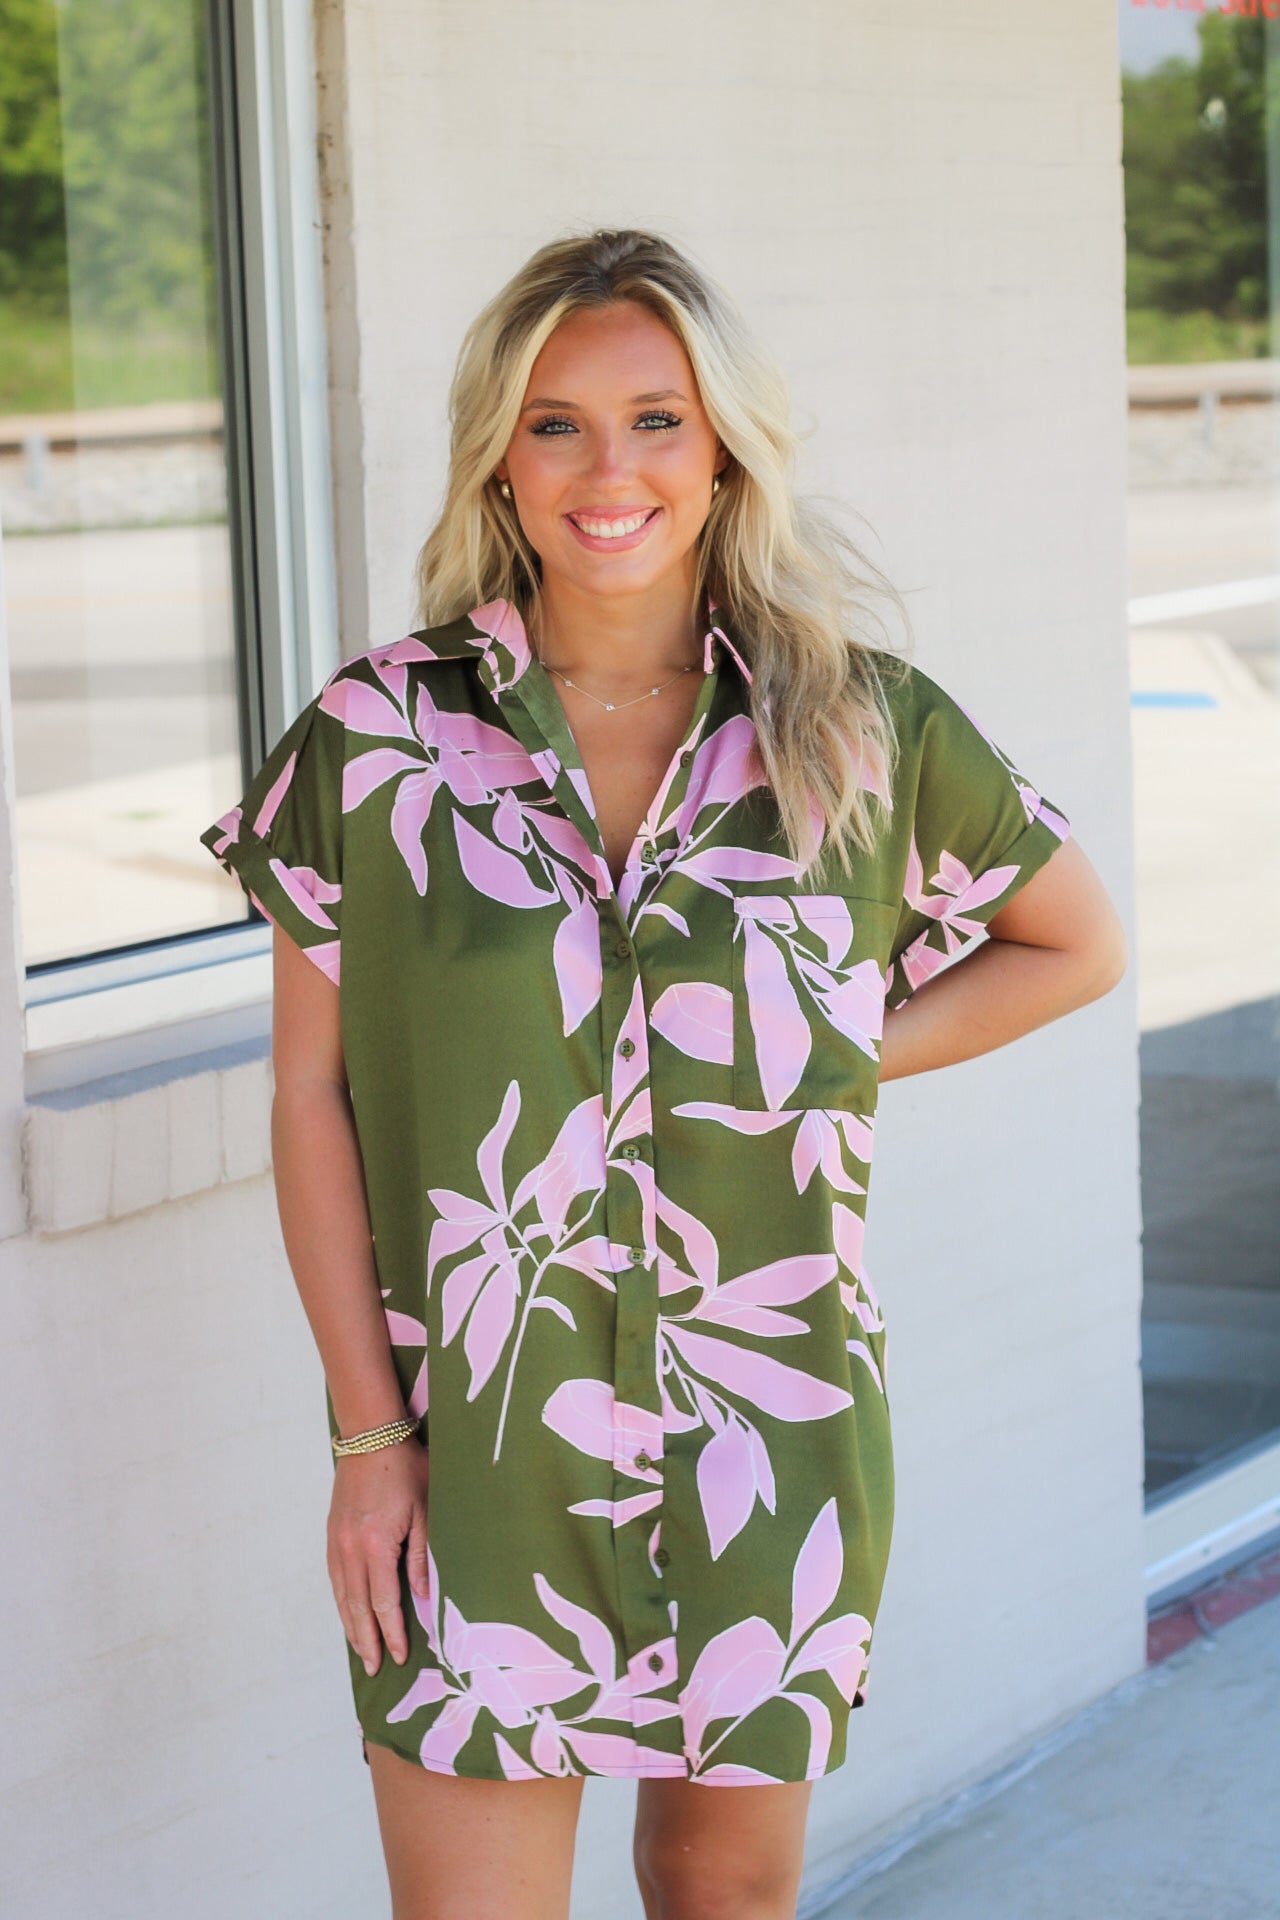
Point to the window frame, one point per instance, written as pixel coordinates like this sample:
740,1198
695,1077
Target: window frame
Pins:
104,1012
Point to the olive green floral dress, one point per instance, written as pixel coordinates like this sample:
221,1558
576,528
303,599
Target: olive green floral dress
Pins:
617,1147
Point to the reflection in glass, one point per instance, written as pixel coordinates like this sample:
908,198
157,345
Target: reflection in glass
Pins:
1204,580
113,492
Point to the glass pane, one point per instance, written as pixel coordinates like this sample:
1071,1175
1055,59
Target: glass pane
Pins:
113,490
1202,166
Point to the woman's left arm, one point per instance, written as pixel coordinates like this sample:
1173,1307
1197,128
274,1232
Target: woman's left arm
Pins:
1056,946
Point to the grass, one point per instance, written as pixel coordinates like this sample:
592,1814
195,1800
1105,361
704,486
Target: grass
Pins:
1158,338
120,366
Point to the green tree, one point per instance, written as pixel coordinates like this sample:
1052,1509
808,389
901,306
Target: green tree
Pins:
33,239
1195,172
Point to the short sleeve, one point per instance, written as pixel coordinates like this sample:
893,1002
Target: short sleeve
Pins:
283,843
979,830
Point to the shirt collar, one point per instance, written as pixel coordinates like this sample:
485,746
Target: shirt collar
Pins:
498,642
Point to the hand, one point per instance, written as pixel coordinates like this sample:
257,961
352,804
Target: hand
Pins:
379,1502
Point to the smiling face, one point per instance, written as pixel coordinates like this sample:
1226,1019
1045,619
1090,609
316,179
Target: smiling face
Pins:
612,460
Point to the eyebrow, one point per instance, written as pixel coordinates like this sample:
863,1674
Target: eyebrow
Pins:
637,400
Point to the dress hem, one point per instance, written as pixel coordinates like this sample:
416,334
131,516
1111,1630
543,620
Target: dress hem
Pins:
751,1777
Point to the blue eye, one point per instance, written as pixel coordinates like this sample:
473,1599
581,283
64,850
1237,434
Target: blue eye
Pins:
553,421
666,421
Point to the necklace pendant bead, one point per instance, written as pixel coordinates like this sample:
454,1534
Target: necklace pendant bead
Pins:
608,706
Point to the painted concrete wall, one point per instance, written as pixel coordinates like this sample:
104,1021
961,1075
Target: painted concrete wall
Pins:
921,211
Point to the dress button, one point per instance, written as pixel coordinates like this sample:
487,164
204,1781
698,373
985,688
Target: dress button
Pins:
655,1661
622,949
643,1462
627,1048
660,1556
686,758
631,1151
637,1256
649,855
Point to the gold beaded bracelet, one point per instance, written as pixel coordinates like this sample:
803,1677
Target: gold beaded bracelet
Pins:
372,1438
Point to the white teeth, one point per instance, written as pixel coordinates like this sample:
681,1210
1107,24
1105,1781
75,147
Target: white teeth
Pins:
609,529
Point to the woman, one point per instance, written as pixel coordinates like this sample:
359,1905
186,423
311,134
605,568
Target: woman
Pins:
638,860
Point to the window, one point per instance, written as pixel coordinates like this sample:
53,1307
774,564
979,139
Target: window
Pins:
1202,168
167,557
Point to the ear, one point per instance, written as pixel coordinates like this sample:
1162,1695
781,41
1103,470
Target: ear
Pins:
723,457
500,470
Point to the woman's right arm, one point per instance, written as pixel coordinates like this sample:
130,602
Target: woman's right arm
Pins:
379,1498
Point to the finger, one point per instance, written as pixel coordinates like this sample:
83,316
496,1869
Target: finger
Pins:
384,1592
362,1628
416,1552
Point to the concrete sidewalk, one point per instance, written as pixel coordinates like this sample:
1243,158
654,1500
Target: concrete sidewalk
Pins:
1161,1803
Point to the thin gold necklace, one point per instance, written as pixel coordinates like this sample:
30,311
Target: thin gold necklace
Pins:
615,706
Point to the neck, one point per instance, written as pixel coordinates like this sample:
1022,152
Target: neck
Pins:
640,638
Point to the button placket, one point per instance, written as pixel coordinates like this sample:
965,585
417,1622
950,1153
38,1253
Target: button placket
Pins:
637,1416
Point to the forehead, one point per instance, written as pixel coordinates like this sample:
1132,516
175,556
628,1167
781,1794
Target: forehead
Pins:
625,347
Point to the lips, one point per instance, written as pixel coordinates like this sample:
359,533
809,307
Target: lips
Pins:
618,524
619,530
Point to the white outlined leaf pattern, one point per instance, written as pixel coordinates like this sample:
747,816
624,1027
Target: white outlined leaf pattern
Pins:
617,1144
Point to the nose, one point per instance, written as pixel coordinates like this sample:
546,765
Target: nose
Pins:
610,464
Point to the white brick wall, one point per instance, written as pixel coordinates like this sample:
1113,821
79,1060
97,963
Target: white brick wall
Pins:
921,209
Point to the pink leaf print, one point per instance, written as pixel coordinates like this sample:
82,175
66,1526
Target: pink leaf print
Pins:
448,1734
629,1071
492,1149
785,1392
603,1750
847,1230
735,1671
855,1005
489,1327
829,917
723,1774
782,1035
270,805
593,1256
369,771
816,1577
231,824
495,872
513,1767
701,1251
726,1485
575,954
726,767
782,1281
302,884
365,709
461,1293
619,1511
717,864
557,1307
839,1648
816,1713
574,1165
765,1322
586,1414
429,1687
697,1017
409,812
501,621
591,1633
741,1119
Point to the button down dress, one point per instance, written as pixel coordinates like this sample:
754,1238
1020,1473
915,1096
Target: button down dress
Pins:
617,1146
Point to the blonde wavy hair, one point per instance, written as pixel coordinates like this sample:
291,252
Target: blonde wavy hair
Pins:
795,587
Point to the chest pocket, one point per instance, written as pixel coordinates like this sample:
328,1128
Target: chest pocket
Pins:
808,999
